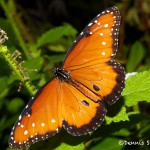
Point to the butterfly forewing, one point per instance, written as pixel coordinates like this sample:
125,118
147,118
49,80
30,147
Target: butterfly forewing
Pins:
90,58
98,42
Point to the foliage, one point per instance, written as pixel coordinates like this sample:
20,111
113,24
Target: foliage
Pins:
127,124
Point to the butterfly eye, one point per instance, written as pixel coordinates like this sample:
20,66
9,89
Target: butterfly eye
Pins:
95,87
85,103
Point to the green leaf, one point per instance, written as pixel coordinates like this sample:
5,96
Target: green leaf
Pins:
14,105
108,144
35,63
32,65
122,132
120,116
65,146
12,78
55,34
57,47
115,127
137,88
135,57
53,60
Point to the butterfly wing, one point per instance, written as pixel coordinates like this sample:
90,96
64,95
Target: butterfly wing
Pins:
40,118
89,60
80,114
57,104
97,42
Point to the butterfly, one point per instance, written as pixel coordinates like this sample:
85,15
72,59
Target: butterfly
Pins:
76,98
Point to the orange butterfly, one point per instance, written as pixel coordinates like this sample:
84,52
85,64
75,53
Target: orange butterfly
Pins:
75,99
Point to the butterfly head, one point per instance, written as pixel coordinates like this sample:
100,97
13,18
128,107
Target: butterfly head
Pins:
61,74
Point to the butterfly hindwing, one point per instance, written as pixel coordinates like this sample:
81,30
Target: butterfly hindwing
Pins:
57,104
81,115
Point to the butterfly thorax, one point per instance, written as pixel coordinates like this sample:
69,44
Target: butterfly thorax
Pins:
61,74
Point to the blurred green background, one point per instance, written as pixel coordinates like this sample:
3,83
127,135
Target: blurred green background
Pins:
42,31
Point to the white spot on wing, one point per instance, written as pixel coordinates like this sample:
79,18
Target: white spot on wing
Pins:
20,117
33,124
81,33
42,124
25,132
106,25
95,21
103,43
98,23
101,34
103,53
53,121
90,24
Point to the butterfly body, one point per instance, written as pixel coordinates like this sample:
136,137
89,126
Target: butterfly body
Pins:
61,74
75,99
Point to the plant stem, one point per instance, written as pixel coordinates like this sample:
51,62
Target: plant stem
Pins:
6,54
10,17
